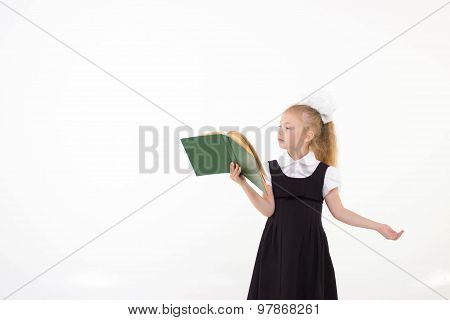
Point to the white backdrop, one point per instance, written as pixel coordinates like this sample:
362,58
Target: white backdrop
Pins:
78,79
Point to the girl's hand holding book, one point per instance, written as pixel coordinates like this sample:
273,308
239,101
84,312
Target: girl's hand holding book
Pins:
235,173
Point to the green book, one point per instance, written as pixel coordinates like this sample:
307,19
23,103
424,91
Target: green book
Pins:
213,152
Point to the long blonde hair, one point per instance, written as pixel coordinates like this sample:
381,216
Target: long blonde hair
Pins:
324,144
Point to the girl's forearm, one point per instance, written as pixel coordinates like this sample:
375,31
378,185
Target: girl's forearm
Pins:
352,218
260,203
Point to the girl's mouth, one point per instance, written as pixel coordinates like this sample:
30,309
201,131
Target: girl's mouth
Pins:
279,140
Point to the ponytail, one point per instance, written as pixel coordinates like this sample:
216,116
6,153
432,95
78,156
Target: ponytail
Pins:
325,144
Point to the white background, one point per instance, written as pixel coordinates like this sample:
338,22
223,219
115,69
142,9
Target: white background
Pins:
69,141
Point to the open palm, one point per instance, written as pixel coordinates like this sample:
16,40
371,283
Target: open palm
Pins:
387,232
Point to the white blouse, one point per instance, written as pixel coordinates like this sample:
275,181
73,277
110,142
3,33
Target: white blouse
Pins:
304,167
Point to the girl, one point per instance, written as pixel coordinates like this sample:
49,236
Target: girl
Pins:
293,259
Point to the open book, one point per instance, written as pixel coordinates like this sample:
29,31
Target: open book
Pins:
212,153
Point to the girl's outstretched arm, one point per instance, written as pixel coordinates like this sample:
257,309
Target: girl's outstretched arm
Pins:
338,211
265,203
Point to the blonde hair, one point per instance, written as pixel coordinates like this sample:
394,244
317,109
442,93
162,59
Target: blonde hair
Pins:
324,144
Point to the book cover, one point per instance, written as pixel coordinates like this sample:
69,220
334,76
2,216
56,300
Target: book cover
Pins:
212,154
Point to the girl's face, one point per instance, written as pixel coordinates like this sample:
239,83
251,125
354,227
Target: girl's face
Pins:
290,131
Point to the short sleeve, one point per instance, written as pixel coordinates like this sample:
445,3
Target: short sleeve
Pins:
332,180
266,168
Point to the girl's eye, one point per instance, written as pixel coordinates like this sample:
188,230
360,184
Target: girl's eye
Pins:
285,127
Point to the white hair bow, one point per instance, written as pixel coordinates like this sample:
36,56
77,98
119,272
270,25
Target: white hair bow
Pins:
322,102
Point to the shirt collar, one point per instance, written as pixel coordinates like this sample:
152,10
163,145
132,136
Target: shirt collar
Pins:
286,160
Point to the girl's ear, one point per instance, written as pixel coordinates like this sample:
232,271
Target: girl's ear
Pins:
309,136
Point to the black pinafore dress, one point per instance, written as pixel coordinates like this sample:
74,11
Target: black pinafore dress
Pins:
293,259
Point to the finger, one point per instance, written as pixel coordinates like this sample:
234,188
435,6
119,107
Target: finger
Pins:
235,171
232,170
